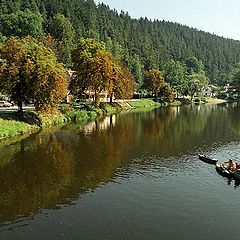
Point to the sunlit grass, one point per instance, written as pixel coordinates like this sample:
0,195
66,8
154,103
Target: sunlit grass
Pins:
142,103
9,128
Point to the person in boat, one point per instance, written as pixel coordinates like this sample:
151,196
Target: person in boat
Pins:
237,168
230,165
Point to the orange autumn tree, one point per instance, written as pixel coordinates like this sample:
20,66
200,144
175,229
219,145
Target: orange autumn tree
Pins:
96,69
154,81
125,85
30,71
93,67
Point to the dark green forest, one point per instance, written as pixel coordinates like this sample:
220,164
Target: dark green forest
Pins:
142,44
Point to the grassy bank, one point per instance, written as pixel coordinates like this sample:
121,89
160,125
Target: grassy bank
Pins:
14,124
143,103
10,128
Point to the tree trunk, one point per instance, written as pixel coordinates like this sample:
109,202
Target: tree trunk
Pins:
97,100
20,106
111,98
111,121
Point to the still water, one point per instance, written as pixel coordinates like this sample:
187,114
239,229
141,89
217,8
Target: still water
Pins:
135,175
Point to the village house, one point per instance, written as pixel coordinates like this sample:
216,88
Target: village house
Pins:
209,91
229,91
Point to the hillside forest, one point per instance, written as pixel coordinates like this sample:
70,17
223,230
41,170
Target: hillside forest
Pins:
179,57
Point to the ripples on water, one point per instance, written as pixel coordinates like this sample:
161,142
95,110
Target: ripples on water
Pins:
130,176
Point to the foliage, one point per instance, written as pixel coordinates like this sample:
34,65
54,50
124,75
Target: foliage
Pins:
30,71
124,85
194,65
93,66
154,81
197,82
61,29
176,75
235,77
141,44
167,92
96,70
21,24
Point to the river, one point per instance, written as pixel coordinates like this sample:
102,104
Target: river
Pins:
135,175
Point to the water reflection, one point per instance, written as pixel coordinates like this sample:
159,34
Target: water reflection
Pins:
35,178
55,167
107,122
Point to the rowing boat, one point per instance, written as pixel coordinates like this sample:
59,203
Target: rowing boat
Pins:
207,159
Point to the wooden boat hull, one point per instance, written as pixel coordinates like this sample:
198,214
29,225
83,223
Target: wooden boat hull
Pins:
207,159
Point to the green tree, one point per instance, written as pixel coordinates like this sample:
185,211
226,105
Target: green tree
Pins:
62,30
176,76
194,65
196,83
21,24
235,78
167,92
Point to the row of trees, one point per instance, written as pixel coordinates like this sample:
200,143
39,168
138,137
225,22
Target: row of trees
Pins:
30,71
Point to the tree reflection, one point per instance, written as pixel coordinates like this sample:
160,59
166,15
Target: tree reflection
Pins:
56,166
34,179
53,168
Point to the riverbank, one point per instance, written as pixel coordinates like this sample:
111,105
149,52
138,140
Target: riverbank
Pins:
215,101
15,124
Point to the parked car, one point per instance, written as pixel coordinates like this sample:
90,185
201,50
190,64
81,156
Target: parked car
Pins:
5,104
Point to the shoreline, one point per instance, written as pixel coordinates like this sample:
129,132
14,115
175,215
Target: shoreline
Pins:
15,125
215,101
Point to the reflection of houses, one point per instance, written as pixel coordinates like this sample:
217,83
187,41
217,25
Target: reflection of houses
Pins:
103,125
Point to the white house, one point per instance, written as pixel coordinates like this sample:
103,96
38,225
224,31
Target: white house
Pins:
210,91
207,91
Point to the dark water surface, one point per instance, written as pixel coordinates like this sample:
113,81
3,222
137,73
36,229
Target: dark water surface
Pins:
131,176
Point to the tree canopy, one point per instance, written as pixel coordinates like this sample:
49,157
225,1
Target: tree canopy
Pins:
21,24
142,44
30,72
98,70
154,81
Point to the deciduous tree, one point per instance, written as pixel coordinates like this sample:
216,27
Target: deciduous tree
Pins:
30,71
93,67
235,77
154,81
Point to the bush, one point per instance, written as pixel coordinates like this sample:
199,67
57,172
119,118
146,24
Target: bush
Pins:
65,108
